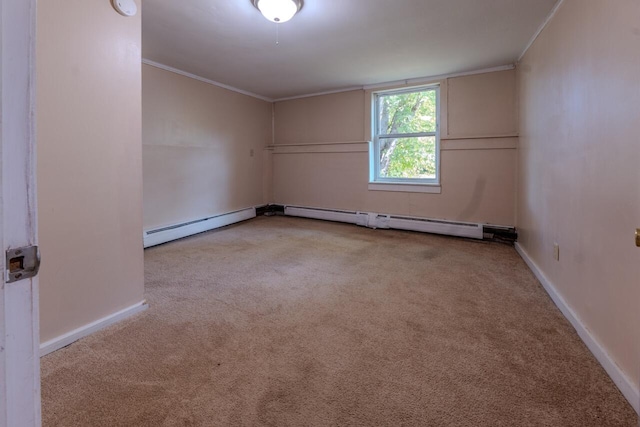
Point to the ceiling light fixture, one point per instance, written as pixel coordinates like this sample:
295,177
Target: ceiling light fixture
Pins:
278,11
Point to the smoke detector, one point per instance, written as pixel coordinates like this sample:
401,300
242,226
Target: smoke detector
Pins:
125,7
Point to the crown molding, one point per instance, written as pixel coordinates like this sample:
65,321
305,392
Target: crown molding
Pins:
204,80
541,28
414,81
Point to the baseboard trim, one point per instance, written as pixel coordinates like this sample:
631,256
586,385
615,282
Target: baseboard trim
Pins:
621,380
86,330
174,232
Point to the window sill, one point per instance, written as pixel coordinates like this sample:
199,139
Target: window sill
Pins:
407,188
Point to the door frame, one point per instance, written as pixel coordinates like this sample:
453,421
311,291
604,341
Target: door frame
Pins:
19,310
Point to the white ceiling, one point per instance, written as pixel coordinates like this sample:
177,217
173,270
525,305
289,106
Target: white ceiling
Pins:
335,44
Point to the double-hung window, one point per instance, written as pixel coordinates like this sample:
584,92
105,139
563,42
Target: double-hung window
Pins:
406,141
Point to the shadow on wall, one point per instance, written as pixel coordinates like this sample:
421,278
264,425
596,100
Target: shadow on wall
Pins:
474,202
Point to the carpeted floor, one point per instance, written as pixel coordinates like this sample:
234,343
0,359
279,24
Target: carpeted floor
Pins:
291,322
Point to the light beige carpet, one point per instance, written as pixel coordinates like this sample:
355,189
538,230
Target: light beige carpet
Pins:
291,322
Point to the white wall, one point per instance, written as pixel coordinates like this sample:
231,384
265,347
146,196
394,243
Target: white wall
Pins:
579,180
198,141
89,163
478,156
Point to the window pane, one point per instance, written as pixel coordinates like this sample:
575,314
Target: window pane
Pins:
407,112
408,157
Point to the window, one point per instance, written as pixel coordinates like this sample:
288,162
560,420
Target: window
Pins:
405,136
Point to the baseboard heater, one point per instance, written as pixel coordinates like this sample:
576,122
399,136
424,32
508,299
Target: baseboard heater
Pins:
178,231
376,220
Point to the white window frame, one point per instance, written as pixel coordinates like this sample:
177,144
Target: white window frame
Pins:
423,185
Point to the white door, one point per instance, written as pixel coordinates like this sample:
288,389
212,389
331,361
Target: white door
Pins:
19,337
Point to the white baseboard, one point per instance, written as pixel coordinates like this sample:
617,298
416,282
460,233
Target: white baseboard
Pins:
173,232
86,330
624,383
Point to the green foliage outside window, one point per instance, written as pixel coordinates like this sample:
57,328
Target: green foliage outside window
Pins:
407,113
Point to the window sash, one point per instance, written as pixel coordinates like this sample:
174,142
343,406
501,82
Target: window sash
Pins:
375,161
378,96
407,135
398,180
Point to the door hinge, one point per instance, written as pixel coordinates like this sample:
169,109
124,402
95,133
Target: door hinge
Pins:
22,263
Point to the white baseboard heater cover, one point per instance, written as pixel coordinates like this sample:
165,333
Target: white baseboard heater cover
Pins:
375,220
178,231
328,215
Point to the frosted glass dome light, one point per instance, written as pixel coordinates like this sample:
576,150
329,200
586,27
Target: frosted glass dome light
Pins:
278,11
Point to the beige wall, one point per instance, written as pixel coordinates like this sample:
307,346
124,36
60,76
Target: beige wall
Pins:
579,181
478,157
89,163
482,105
197,142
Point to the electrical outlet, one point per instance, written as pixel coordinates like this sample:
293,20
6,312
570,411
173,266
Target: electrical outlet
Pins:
556,251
